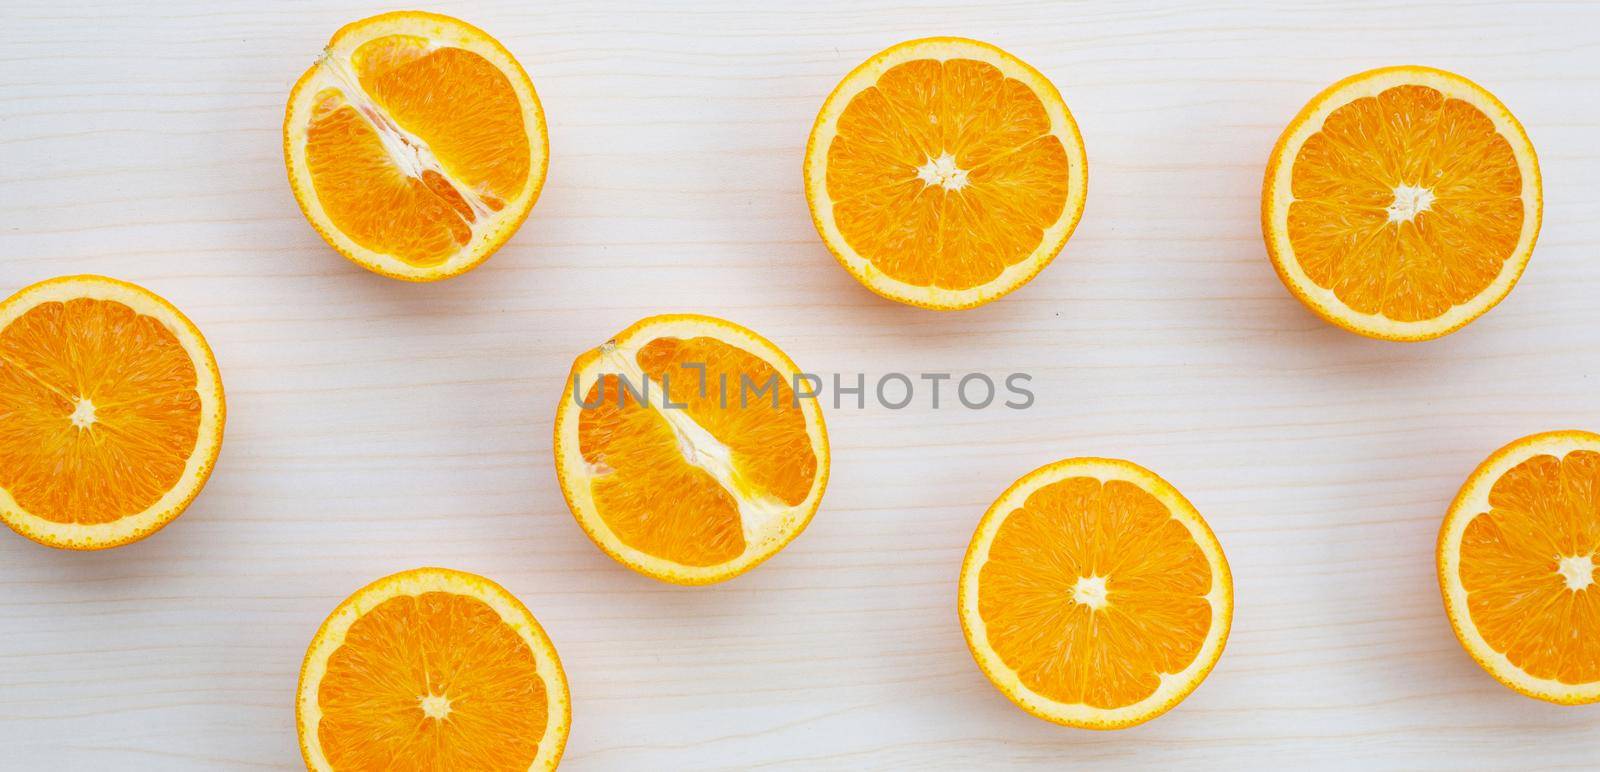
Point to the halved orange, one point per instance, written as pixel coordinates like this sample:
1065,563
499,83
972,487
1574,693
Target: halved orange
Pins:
415,145
1517,556
688,449
1094,595
432,669
945,173
1402,203
111,412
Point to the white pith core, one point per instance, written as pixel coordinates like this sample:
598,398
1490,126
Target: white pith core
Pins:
1091,591
409,152
1577,571
699,447
942,171
435,706
1409,201
83,413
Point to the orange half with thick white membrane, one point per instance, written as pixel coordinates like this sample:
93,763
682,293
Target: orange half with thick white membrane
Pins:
111,412
1094,595
1517,560
415,145
945,173
1402,203
690,448
432,669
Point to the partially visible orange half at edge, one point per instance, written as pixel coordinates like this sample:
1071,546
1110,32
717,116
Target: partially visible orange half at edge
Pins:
1517,560
432,669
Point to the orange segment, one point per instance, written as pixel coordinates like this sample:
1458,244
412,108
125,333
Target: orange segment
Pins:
110,412
457,102
416,145
762,424
1093,594
1517,560
432,669
637,454
683,451
945,173
1402,203
1014,197
371,199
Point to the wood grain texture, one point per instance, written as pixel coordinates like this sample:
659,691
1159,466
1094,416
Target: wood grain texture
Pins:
376,426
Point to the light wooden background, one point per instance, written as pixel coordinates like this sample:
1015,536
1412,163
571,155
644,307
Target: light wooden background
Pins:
376,426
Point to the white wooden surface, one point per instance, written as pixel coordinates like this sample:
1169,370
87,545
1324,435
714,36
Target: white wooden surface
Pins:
376,426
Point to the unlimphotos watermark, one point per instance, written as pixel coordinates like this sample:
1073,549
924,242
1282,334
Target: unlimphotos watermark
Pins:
893,390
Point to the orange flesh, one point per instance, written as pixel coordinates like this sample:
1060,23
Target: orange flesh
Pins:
1541,511
437,644
1345,179
1156,615
649,493
650,496
1007,175
459,105
146,412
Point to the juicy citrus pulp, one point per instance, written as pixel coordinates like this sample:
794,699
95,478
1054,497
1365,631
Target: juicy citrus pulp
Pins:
432,669
111,412
1094,595
415,145
684,451
1402,203
1517,557
945,173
